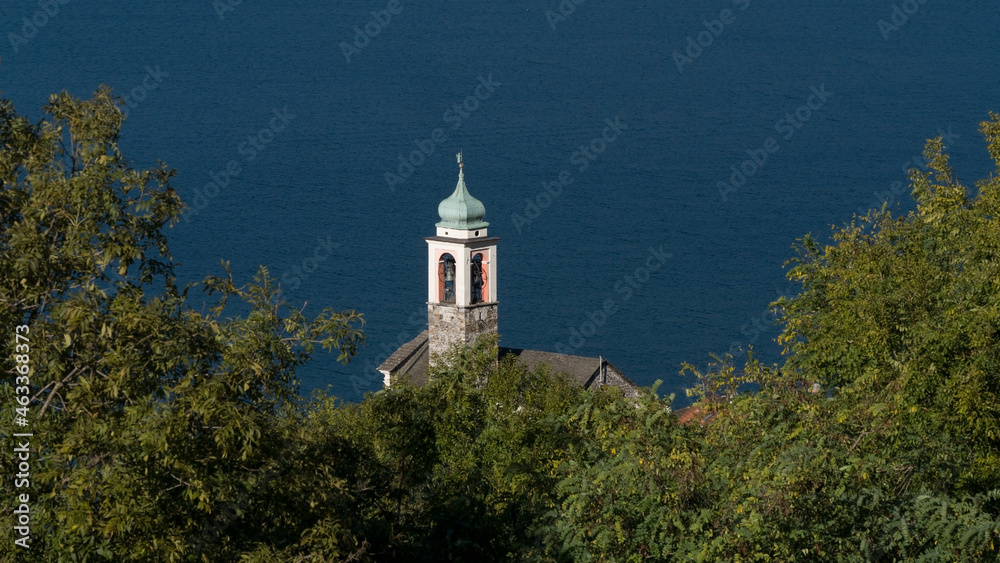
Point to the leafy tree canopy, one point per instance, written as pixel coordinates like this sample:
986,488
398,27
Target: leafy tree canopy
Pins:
154,425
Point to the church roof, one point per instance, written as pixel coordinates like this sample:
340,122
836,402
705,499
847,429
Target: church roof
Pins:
413,358
460,210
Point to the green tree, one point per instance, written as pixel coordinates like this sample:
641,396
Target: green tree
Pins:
156,427
897,458
485,489
627,489
903,315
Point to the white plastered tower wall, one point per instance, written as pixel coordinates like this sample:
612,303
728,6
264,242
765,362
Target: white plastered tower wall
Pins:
463,252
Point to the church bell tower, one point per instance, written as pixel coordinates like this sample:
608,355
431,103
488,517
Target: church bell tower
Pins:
461,272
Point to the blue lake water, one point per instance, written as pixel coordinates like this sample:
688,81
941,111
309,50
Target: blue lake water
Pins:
310,104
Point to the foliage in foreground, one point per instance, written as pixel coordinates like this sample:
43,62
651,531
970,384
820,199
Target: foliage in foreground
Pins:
167,434
155,425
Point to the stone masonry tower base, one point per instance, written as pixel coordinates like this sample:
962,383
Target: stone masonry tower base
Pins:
448,323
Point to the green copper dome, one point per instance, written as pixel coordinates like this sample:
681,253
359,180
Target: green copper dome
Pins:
460,210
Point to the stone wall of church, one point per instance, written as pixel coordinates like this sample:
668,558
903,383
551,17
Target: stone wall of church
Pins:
448,323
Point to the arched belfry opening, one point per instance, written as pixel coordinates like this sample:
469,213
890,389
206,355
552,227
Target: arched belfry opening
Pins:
478,279
446,278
